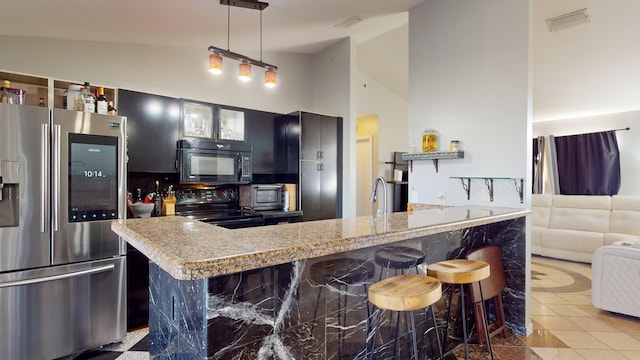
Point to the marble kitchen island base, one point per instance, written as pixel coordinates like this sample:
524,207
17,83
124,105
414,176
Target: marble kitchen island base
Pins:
268,313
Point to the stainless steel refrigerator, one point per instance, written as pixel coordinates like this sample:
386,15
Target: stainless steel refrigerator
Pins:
62,269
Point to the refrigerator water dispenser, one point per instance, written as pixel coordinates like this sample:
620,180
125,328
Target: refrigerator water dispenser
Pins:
9,191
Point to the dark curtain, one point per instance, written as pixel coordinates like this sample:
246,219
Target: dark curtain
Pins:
588,164
538,165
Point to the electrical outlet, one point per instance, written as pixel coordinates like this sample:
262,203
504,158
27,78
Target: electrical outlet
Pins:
484,195
442,198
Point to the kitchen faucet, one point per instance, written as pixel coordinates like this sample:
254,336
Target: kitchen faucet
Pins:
374,197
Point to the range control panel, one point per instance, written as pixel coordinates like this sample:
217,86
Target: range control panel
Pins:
206,196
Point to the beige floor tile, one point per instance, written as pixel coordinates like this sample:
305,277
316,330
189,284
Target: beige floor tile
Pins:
556,323
591,324
620,322
580,339
557,354
540,309
573,298
600,354
567,310
549,298
589,309
618,340
631,355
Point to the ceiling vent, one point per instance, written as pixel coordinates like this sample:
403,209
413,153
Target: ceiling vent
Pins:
571,19
349,22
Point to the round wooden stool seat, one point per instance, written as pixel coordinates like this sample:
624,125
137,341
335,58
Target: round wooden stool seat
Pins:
405,292
459,271
399,257
342,270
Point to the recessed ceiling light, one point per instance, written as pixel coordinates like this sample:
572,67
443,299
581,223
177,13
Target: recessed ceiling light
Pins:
349,22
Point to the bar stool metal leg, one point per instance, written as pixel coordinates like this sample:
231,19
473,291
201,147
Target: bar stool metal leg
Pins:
486,322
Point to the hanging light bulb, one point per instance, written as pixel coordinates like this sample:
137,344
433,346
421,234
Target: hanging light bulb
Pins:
245,71
270,78
215,64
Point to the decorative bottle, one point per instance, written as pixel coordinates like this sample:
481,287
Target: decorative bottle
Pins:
102,107
88,99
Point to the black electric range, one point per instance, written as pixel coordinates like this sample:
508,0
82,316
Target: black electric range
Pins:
215,205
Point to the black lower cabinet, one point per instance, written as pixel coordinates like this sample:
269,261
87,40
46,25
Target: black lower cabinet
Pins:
137,289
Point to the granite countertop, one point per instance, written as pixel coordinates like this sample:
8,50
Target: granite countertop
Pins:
193,250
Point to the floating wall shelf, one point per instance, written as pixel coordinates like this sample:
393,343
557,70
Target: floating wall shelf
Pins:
488,181
435,156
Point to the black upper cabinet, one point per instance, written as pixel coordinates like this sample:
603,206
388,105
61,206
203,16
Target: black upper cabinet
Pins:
153,130
287,144
259,133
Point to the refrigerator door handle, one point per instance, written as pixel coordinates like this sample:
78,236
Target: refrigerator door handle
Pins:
44,170
56,178
100,269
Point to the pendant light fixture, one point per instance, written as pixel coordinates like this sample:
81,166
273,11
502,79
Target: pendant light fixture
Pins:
244,69
215,64
244,72
270,78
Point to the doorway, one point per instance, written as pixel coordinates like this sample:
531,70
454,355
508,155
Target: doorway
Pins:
364,175
366,161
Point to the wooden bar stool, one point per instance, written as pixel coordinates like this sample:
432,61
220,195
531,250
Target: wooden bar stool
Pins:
492,288
405,293
399,258
461,272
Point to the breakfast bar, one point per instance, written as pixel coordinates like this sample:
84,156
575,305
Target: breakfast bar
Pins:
255,293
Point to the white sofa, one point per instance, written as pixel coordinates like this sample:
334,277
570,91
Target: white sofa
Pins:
616,278
573,227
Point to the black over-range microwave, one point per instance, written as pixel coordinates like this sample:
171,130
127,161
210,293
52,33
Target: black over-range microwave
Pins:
213,162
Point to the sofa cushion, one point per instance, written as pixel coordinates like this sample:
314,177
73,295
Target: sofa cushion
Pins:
625,215
573,240
541,210
581,212
536,233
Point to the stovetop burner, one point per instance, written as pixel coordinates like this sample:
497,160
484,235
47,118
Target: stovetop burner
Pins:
218,206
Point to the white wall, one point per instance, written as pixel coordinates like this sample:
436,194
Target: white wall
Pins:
382,91
589,69
333,94
587,76
628,141
171,71
469,66
393,114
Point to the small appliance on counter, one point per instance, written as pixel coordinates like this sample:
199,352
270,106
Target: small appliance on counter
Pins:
262,197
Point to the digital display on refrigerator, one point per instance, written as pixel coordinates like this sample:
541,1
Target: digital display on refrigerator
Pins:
93,177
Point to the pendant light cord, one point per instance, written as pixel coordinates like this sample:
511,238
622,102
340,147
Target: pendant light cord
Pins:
260,35
228,25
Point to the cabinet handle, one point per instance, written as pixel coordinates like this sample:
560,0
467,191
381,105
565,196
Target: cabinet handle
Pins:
318,154
320,167
321,154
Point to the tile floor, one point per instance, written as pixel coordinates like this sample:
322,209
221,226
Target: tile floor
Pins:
565,325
